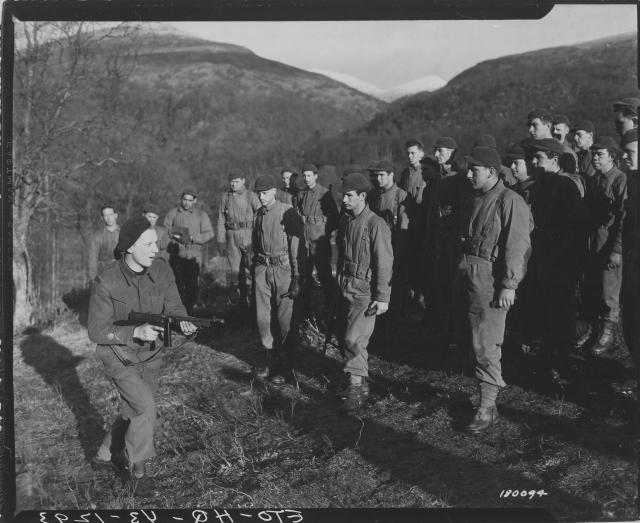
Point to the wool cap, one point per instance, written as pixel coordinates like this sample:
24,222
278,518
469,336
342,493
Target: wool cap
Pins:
485,140
515,152
189,191
605,142
382,165
264,182
445,141
484,157
309,167
234,175
547,145
150,207
131,231
627,103
583,125
355,182
630,136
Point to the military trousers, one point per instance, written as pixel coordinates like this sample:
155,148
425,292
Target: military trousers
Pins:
186,271
136,382
319,256
238,245
353,328
476,290
440,275
274,310
600,290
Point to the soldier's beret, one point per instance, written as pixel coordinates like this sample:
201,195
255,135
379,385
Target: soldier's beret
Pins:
561,118
355,182
131,231
627,103
484,157
543,114
485,140
234,175
309,167
382,165
413,142
264,182
630,136
189,191
515,152
583,125
605,142
150,207
445,141
547,145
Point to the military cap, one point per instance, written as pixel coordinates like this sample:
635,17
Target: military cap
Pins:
583,125
627,103
485,140
150,207
445,141
547,145
355,182
131,231
605,142
630,136
189,191
543,114
484,157
413,142
561,118
264,182
309,167
382,165
515,152
234,175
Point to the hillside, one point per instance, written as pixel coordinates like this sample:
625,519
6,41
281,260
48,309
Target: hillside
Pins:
494,97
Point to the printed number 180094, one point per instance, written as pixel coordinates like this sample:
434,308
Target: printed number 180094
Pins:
522,494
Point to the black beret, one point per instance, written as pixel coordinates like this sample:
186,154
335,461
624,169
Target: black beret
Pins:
264,182
382,165
543,114
583,125
627,103
445,141
485,140
484,157
561,118
150,207
355,182
547,145
309,167
605,142
131,231
189,191
630,136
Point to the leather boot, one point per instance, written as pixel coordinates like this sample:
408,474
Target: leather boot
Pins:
604,342
484,418
263,368
586,340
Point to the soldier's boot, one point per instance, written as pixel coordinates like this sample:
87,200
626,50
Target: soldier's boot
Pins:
283,371
604,342
355,395
262,370
588,338
487,413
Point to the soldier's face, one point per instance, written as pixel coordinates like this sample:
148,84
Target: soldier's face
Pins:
236,184
519,169
539,130
145,249
187,201
542,163
310,179
583,139
623,123
481,178
443,154
601,160
267,197
414,154
630,155
354,201
152,217
560,131
109,217
286,179
383,179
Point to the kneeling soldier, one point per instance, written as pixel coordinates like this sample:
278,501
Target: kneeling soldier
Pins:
495,246
277,237
138,282
365,261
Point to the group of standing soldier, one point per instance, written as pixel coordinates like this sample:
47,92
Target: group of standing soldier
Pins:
482,241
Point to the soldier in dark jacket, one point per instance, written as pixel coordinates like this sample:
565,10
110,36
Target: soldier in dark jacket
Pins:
138,282
505,174
278,244
583,139
606,196
365,263
560,217
494,248
625,115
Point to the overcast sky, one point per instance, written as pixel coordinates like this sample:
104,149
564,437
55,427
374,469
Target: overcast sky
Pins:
390,53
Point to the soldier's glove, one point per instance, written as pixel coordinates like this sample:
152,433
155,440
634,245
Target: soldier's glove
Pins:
294,289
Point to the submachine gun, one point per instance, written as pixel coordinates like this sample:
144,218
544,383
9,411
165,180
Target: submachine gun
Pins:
167,321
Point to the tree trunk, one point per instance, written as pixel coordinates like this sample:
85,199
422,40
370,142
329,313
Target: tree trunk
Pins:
24,290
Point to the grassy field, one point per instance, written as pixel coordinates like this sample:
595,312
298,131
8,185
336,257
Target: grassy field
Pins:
225,439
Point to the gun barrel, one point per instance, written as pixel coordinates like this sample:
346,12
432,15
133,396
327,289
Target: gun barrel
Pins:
158,319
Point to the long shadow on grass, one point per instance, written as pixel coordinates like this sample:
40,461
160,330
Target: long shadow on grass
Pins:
471,482
57,366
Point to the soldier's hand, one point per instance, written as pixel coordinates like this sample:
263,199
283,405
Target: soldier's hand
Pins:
294,289
377,308
614,260
506,298
187,328
147,332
